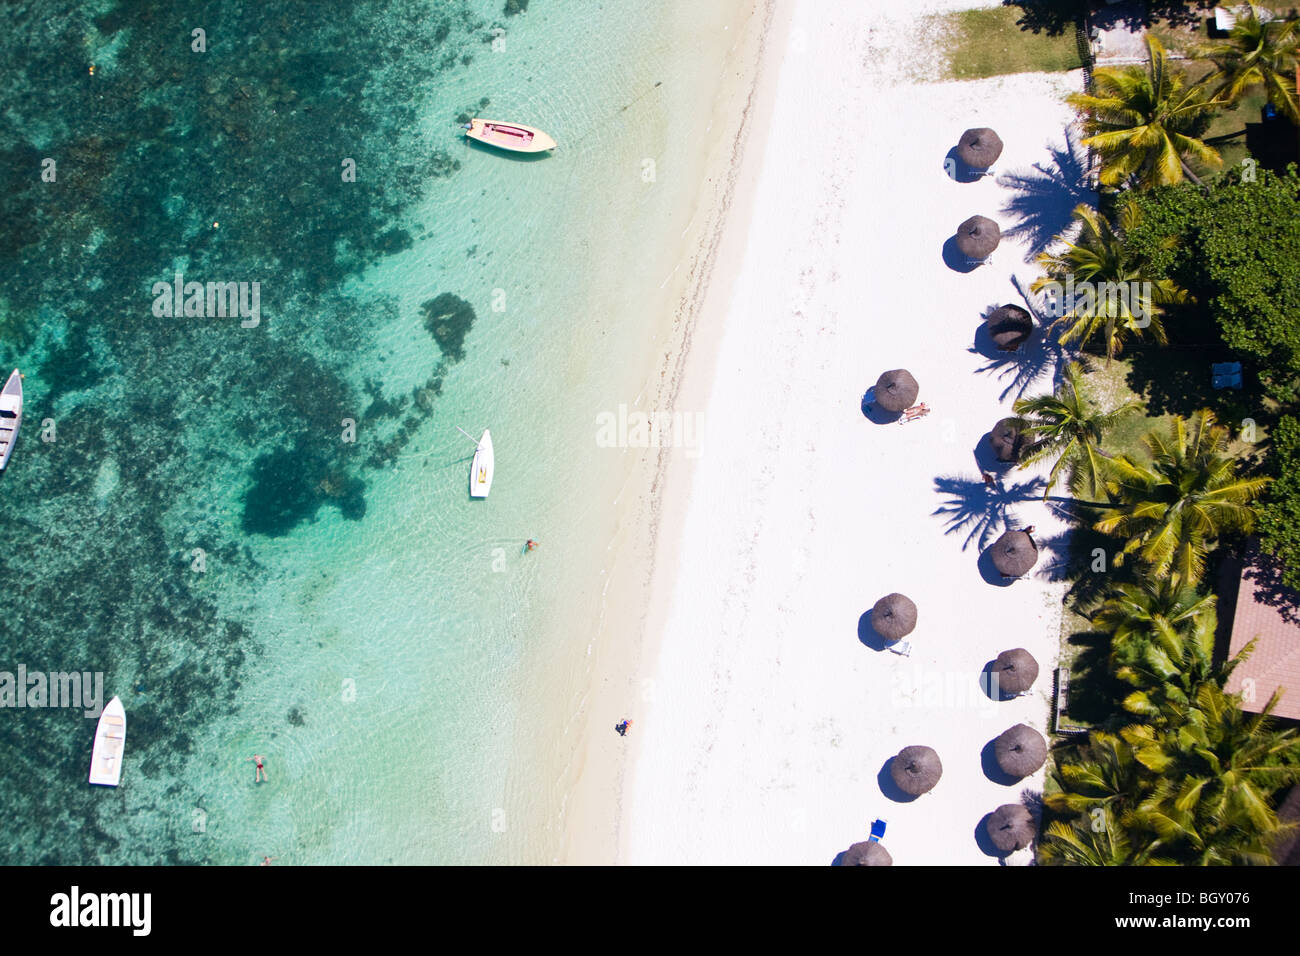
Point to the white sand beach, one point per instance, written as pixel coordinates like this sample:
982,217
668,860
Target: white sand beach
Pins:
761,720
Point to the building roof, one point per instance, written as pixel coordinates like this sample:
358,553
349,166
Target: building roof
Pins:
1269,611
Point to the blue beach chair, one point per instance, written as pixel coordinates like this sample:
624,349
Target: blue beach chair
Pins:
877,831
1226,374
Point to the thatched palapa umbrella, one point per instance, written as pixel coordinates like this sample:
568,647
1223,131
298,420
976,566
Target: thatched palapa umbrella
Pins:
1011,827
1010,327
896,390
1020,751
977,237
867,853
1015,671
979,148
1007,439
1014,554
916,770
894,617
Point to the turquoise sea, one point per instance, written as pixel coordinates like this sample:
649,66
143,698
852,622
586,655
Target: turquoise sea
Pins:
186,510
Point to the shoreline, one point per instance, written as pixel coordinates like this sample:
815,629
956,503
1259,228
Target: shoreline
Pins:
695,366
592,815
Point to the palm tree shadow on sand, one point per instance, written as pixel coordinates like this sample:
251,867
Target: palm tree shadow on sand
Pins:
1044,196
1041,357
982,512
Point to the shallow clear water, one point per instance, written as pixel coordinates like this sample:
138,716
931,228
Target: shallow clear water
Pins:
383,640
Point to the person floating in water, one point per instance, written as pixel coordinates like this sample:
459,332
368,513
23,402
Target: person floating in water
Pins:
260,775
622,727
530,545
266,861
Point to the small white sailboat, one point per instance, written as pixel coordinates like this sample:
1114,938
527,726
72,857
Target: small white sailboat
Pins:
110,740
11,416
480,470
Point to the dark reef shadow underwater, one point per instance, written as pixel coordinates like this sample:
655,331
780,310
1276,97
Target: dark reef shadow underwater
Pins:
159,419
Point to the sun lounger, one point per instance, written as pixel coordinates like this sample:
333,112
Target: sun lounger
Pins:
913,413
877,831
1226,374
902,648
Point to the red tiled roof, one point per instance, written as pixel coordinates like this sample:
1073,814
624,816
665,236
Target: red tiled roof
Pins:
1270,611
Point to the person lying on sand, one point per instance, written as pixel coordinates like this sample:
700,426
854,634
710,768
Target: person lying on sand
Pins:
916,411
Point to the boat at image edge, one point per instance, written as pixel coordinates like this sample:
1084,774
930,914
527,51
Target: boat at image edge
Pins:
11,416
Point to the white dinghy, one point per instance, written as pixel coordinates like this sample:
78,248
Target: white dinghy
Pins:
110,740
11,416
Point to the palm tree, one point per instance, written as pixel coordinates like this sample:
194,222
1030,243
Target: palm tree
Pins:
1215,770
1098,840
1102,288
1162,639
1098,791
1103,774
1068,426
1257,53
1170,510
1145,123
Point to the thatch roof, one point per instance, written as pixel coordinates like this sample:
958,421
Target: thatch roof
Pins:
1007,439
1011,827
1014,554
1020,750
1010,327
893,617
979,148
916,770
1015,670
867,853
896,390
977,237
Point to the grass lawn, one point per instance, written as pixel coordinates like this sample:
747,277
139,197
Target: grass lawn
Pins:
1108,385
1083,650
1188,42
1229,122
983,43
